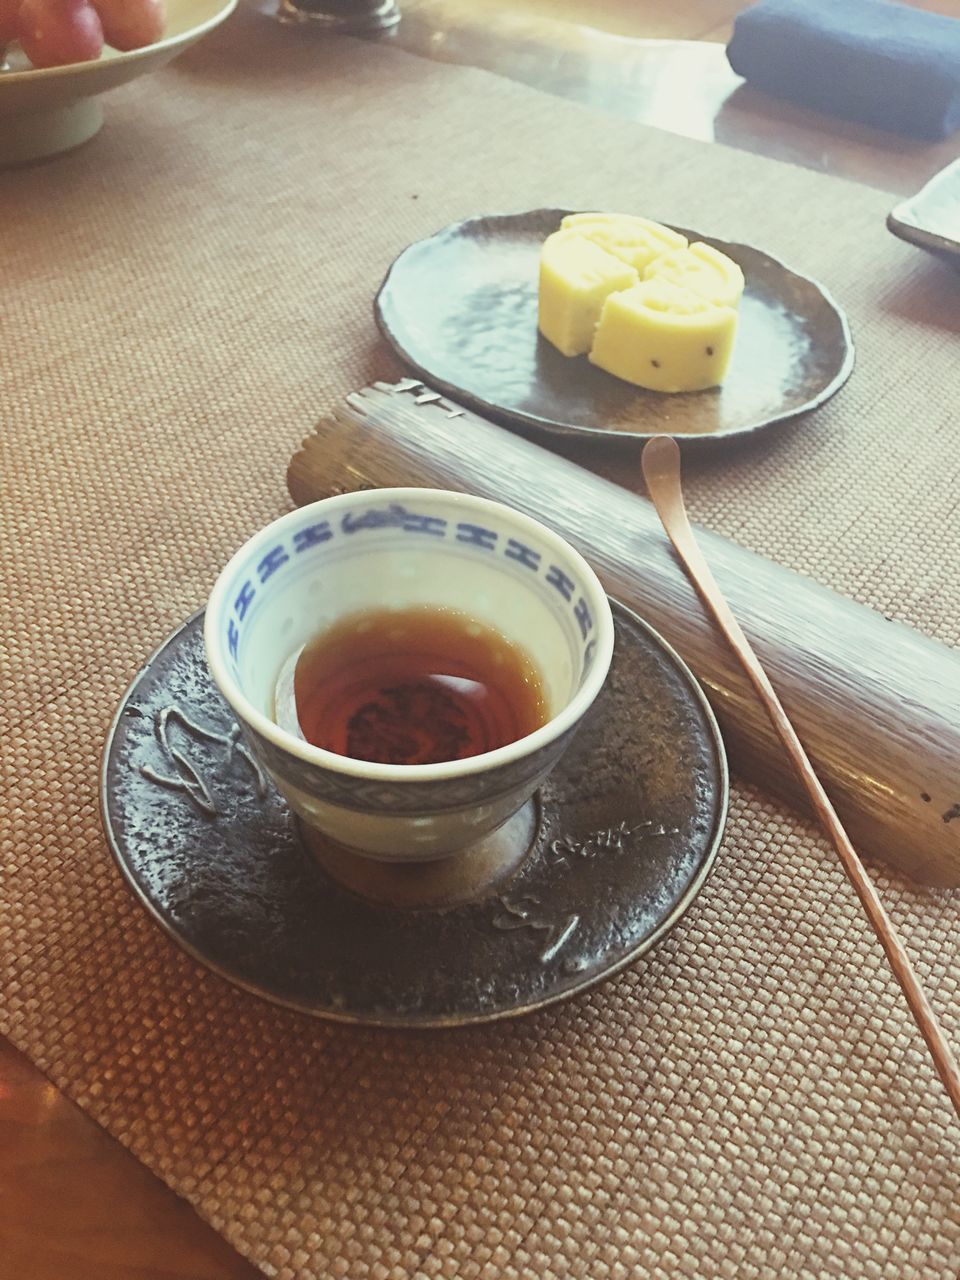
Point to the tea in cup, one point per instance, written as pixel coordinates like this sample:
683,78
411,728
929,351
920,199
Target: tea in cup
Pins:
408,664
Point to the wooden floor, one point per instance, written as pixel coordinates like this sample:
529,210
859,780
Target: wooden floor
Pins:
73,1204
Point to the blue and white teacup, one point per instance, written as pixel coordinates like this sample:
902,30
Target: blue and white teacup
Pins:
395,549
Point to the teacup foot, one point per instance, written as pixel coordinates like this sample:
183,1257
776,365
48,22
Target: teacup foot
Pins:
466,876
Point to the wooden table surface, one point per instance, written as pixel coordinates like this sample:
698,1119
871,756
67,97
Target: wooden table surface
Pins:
74,1205
664,65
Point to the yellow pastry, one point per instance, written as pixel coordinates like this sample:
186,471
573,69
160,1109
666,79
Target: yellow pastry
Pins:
646,306
576,276
637,241
664,337
705,270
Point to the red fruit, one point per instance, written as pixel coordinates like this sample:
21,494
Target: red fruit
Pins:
54,33
131,24
9,24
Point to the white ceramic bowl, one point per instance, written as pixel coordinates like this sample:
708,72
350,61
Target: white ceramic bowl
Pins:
44,111
393,549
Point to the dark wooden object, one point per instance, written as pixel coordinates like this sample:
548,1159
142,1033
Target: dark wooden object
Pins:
876,703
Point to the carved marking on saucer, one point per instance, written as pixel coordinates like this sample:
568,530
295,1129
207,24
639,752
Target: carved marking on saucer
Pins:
608,840
187,778
524,913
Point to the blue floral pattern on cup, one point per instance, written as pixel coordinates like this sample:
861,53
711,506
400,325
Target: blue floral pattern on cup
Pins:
282,557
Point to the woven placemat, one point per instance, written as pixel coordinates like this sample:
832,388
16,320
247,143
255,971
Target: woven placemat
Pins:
181,300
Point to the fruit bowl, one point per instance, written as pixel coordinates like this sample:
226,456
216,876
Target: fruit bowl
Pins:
53,109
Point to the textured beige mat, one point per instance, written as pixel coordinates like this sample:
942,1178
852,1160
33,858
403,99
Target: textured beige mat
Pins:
180,301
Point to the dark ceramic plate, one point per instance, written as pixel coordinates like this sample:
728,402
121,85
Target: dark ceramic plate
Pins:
625,832
461,309
931,219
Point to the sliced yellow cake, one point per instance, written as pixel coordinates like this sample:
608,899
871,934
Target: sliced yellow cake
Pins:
576,277
700,267
664,337
637,241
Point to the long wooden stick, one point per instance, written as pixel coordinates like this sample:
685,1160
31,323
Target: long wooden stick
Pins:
661,470
843,672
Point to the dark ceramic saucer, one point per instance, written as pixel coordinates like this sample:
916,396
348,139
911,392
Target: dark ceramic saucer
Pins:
461,310
622,838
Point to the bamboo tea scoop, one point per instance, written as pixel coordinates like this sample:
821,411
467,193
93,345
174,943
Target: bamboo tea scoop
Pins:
661,471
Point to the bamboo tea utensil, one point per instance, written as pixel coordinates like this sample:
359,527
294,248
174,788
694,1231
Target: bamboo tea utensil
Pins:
661,470
845,673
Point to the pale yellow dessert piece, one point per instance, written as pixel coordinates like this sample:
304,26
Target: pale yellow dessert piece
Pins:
635,240
664,337
705,270
576,277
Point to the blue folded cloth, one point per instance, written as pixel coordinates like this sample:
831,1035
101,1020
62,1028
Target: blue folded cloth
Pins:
881,63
